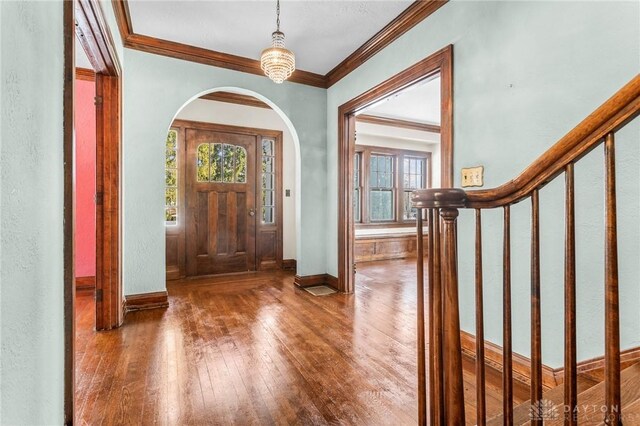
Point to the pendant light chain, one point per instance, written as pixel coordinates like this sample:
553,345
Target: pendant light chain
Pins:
278,15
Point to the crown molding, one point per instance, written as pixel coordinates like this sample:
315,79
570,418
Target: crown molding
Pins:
235,98
85,74
394,122
409,18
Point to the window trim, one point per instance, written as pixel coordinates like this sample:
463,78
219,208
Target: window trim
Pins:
398,155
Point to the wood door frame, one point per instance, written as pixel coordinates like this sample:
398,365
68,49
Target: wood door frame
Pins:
84,20
277,135
441,63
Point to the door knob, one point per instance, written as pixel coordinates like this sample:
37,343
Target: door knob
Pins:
252,212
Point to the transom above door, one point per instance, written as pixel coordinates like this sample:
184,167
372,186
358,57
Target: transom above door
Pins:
224,199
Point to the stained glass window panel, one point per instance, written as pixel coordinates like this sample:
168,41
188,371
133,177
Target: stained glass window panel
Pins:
268,181
171,177
268,215
171,197
202,164
267,147
217,157
228,163
241,165
171,215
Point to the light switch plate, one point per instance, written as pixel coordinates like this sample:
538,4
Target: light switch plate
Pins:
472,176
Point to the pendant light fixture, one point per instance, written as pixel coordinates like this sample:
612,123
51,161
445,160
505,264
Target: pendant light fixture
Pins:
277,62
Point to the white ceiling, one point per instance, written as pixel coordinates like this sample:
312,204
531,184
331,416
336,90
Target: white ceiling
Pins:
320,33
420,102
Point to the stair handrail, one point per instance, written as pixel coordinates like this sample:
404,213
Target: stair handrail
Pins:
440,209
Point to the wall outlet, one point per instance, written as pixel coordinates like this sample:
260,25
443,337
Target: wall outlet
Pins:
472,176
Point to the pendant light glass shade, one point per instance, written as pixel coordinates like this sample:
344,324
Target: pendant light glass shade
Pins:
277,62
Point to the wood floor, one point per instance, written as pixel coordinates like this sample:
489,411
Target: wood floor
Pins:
257,350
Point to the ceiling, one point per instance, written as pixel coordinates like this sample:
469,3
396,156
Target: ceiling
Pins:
419,103
320,33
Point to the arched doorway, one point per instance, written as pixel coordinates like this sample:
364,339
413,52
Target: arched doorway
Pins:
232,195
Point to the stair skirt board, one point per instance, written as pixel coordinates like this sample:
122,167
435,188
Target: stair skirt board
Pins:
320,290
551,377
590,403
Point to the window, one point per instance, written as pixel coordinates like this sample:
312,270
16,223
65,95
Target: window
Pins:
381,187
414,178
221,163
268,182
383,180
171,179
357,187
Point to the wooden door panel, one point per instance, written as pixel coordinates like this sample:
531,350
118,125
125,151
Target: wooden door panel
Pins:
268,249
220,233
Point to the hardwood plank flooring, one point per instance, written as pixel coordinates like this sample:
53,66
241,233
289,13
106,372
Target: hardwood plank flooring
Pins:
254,349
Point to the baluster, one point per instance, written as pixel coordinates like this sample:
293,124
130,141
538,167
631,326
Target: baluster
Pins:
536,334
611,308
437,343
507,373
422,395
570,351
454,391
481,415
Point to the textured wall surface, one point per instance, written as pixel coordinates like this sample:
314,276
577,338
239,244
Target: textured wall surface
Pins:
525,73
155,89
31,201
85,128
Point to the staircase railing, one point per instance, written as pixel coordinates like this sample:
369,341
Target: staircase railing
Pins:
444,401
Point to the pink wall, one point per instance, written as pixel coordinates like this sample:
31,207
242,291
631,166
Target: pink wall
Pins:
85,126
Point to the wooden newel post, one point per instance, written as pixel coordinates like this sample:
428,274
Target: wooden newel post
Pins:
446,392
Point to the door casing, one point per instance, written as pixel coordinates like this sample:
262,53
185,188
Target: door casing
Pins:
441,63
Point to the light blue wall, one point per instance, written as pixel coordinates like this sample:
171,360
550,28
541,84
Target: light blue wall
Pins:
525,73
31,206
155,88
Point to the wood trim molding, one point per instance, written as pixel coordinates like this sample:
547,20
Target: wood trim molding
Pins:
144,301
68,227
200,55
441,63
86,283
85,74
314,280
95,38
290,265
551,377
217,127
235,98
394,122
409,18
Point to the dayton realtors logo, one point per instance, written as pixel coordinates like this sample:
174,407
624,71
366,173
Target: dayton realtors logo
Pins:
547,410
543,410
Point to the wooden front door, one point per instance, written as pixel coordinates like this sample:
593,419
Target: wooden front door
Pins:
220,202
